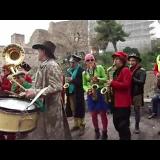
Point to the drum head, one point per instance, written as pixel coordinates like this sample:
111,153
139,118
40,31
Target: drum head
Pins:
15,104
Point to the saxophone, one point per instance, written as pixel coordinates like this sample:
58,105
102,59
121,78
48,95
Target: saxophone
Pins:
66,85
107,91
94,89
94,85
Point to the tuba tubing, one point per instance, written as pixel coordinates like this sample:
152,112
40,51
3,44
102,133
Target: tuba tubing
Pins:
14,55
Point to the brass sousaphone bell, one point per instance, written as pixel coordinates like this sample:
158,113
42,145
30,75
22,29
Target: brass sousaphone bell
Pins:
14,55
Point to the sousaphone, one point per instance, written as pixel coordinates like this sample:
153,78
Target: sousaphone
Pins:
14,55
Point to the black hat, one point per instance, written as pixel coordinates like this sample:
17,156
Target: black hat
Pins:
48,46
20,73
135,55
75,58
25,66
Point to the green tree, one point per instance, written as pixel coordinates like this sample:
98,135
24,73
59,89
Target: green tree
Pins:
110,31
127,50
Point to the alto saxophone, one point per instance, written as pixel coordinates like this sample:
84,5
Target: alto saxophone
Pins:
94,89
107,90
66,85
94,86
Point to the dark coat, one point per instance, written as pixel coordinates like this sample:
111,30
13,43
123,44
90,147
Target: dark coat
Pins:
138,81
79,94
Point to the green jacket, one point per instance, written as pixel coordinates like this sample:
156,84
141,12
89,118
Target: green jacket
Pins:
99,72
27,85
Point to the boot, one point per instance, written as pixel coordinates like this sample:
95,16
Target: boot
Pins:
76,125
74,128
137,131
82,130
97,134
104,135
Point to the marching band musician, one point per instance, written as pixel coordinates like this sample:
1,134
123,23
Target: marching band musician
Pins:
6,85
75,94
156,97
121,86
95,74
26,68
51,122
138,81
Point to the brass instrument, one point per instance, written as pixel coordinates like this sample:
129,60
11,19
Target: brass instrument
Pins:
14,55
107,90
94,88
66,85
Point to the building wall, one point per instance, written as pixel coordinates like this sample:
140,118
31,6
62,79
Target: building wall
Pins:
18,38
139,37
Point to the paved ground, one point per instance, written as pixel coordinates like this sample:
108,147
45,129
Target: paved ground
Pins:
149,128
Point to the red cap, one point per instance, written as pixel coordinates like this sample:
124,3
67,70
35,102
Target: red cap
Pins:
121,55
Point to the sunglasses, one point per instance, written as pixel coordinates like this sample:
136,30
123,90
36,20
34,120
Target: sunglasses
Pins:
89,60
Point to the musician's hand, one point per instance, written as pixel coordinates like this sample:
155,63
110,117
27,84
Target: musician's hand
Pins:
95,79
68,79
30,93
109,82
89,91
22,94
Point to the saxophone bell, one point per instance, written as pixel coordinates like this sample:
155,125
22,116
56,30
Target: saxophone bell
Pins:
95,86
104,90
66,85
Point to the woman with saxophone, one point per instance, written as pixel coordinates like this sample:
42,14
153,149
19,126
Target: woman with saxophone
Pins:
94,78
121,86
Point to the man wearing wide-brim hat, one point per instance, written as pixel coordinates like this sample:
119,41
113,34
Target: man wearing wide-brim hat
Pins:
138,81
51,122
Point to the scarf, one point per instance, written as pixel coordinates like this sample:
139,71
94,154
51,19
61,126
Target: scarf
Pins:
134,68
73,72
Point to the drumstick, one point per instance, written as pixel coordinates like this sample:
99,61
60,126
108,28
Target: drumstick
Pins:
12,93
10,77
37,96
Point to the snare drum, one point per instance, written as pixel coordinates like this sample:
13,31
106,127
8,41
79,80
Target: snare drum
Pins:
14,117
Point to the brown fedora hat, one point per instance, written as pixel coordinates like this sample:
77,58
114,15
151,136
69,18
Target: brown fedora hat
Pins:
47,46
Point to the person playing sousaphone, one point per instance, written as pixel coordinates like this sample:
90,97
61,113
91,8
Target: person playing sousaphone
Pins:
75,94
94,78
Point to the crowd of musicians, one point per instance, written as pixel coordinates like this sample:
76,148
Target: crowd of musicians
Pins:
113,91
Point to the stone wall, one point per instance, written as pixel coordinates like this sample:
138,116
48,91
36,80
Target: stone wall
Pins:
69,36
150,84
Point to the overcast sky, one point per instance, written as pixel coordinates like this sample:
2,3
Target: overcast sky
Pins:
27,27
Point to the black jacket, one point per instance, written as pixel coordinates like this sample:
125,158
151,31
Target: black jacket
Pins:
138,81
79,95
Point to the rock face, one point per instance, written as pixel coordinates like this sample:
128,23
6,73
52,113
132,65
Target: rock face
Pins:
69,36
38,36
